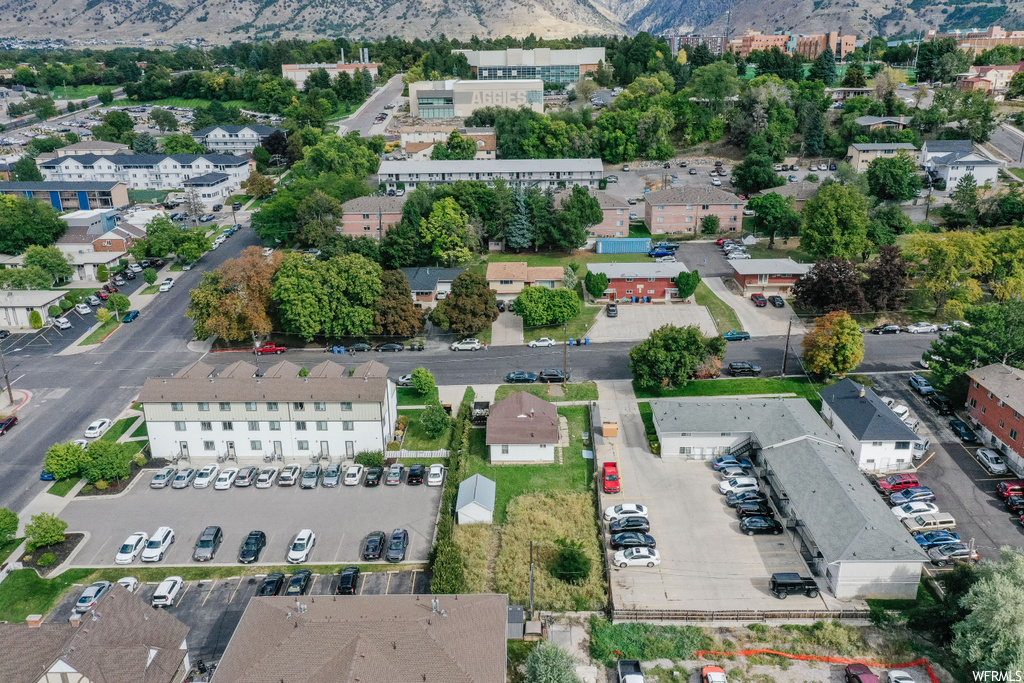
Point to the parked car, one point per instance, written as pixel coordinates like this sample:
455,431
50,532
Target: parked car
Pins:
784,584
394,475
332,475
1005,489
373,476
129,583
208,543
246,476
733,335
266,477
921,385
912,495
206,475
311,476
252,546
271,585
97,428
732,473
166,285
82,309
918,328
859,673
610,477
299,583
551,376
744,369
941,404
738,255
167,592
952,553
759,300
636,557
616,512
760,525
226,479
93,300
896,482
738,484
397,546
158,544
886,329
466,345
521,377
269,347
415,474
132,546
914,509
301,547
659,252
1015,503
632,539
722,461
389,348
163,477
435,474
289,475
130,316
991,460
777,301
543,341
961,429
348,580
373,545
936,538
752,509
184,477
749,496
353,475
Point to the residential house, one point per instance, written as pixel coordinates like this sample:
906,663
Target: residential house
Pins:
213,188
875,436
233,139
272,413
429,284
681,209
542,173
997,76
800,192
508,278
995,403
951,160
616,212
475,503
845,532
861,154
370,216
121,640
97,230
146,171
522,428
71,195
969,83
17,305
843,94
639,281
774,275
879,122
369,639
419,141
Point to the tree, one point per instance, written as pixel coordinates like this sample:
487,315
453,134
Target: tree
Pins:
962,211
144,143
831,285
579,213
714,83
670,356
756,173
25,170
543,306
686,283
164,119
835,223
180,143
149,275
276,143
24,223
458,148
435,420
549,663
51,259
106,96
596,283
888,277
64,460
317,218
118,304
395,313
119,121
471,307
990,638
258,185
887,81
855,77
835,346
775,216
44,530
571,565
570,280
102,314
710,224
951,266
423,381
107,461
1016,87
445,231
824,67
814,133
894,178
584,88
8,525
519,233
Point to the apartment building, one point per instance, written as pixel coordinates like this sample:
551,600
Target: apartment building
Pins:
250,416
233,139
550,66
507,278
540,172
71,195
370,216
976,42
639,281
861,154
743,46
419,141
951,160
298,73
680,210
767,275
97,231
616,212
813,45
714,43
147,171
995,402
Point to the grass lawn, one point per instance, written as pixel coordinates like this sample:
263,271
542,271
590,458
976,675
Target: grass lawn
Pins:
61,488
562,259
574,474
791,249
739,387
152,289
23,593
147,196
1019,172
7,548
416,439
244,198
176,267
118,429
99,333
586,391
137,405
639,229
723,314
141,431
577,328
78,92
408,396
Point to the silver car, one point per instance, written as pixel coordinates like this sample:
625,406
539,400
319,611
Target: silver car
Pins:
332,475
184,478
991,461
311,476
163,477
247,476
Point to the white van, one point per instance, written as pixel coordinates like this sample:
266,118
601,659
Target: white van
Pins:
920,448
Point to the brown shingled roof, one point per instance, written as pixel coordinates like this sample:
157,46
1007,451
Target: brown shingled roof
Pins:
534,273
507,270
522,418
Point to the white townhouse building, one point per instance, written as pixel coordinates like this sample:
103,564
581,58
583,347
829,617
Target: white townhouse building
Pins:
251,417
233,139
543,173
147,171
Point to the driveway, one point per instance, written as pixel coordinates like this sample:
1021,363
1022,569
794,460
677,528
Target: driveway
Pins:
637,321
759,322
507,330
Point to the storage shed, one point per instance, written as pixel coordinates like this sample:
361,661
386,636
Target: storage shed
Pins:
475,503
623,245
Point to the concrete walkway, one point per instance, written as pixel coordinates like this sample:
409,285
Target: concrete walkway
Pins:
759,322
507,330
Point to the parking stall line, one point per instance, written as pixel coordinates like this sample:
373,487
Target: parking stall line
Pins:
212,583
388,586
188,585
341,544
412,586
237,586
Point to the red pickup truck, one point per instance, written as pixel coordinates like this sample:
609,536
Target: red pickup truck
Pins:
269,347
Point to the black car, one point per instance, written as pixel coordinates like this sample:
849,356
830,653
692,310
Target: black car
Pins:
374,544
752,509
4,334
390,347
742,368
415,475
941,404
671,246
501,306
632,539
396,548
373,475
734,499
760,525
886,329
361,346
1015,503
254,544
129,275
237,206
613,311
777,301
348,579
521,377
271,585
556,376
961,429
299,583
693,171
629,524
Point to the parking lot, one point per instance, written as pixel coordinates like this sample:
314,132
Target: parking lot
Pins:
340,517
637,321
212,609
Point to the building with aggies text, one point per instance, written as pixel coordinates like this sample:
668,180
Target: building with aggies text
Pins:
454,98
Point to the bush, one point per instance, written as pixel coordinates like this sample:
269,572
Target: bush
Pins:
102,273
449,574
65,460
8,525
610,642
394,446
423,381
35,320
101,485
44,529
811,178
403,421
549,663
66,304
107,460
139,459
55,311
571,564
435,420
370,459
46,560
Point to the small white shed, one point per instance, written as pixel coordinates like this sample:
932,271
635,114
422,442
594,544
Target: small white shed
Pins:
475,504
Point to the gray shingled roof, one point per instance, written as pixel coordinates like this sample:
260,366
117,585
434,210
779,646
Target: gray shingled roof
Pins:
948,146
954,157
522,418
207,179
257,128
1004,381
145,159
618,271
865,416
374,203
693,195
872,146
477,489
426,279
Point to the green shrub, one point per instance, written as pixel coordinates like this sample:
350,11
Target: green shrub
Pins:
571,563
403,421
394,446
44,529
8,525
610,642
66,304
35,320
101,485
139,459
46,560
423,381
55,311
435,420
370,459
102,273
449,573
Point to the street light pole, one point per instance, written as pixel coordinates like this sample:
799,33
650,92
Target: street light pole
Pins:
7,380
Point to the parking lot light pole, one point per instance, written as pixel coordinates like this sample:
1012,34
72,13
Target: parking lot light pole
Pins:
7,380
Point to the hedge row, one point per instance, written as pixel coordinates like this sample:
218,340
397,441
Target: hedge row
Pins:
446,556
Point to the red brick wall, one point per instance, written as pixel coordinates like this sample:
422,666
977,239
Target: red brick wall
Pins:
641,287
774,281
989,413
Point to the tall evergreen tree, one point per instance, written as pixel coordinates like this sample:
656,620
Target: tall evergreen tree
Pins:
519,234
824,67
814,134
701,56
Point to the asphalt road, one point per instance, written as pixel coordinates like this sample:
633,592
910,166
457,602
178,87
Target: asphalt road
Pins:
365,121
1009,142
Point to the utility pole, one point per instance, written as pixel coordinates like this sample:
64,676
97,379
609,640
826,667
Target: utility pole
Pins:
7,380
565,372
785,354
531,579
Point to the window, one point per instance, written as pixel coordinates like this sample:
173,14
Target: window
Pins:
1013,435
208,446
320,405
250,405
298,405
206,426
902,445
1001,425
348,426
504,282
254,426
876,444
504,449
227,426
225,406
1016,415
179,426
975,383
204,407
176,407
256,445
974,403
321,426
275,426
346,406
629,279
685,450
726,434
272,405
300,426
303,445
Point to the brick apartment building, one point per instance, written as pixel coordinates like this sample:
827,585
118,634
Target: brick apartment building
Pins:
743,46
370,216
646,281
616,212
813,45
680,210
995,402
774,275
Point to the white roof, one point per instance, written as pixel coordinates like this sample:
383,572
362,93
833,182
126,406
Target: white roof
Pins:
29,298
617,271
492,166
95,257
769,266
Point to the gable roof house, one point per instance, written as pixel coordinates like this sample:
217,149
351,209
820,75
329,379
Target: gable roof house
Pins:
428,284
508,278
522,429
643,281
233,139
951,160
370,216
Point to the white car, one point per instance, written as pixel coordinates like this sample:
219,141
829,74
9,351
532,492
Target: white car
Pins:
166,285
902,412
206,475
738,485
716,182
917,328
435,474
62,324
624,510
226,479
266,478
813,167
466,345
900,676
636,557
301,547
732,472
129,583
748,212
158,544
353,475
737,255
132,546
167,591
83,309
267,251
135,268
887,400
97,428
665,259
991,461
289,475
918,507
543,341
